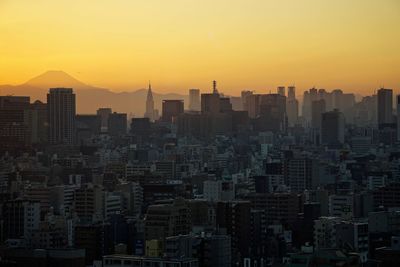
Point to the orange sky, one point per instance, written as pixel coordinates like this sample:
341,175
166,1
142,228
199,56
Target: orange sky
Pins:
181,44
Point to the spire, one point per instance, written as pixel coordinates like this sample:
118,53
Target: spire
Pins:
149,93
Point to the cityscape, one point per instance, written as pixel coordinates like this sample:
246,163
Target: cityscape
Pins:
263,181
212,133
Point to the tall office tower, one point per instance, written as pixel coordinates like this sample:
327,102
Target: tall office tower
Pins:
332,128
306,109
317,108
281,90
104,113
323,94
210,103
292,106
150,113
117,124
13,128
336,99
244,95
225,104
291,92
292,111
194,99
36,120
171,109
61,115
398,117
273,112
253,105
385,106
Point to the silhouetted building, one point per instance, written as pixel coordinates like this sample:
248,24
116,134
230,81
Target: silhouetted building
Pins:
117,124
171,109
332,128
61,115
194,100
150,112
385,106
104,113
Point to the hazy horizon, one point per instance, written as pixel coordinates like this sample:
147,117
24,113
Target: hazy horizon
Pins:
186,44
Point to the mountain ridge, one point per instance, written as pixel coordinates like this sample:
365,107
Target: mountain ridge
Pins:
89,98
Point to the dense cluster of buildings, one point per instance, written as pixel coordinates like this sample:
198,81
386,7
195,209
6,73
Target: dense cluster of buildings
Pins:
228,181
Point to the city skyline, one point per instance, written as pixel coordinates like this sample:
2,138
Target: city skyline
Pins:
260,45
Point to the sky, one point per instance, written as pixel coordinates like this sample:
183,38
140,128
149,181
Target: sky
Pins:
180,44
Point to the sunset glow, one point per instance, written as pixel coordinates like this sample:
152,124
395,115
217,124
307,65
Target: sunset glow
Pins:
181,44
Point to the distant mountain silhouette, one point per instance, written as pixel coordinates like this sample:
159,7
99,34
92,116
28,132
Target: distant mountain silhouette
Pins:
89,98
53,78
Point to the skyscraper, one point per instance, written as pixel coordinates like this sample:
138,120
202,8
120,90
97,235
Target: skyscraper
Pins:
291,92
281,90
13,123
104,113
317,108
61,115
150,113
171,109
292,106
194,99
385,106
332,128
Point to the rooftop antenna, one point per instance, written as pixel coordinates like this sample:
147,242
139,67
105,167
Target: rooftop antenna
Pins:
215,91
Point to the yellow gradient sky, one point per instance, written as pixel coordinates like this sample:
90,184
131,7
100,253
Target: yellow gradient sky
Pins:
178,44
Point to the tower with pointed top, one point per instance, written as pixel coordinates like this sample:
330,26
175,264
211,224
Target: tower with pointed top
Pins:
150,113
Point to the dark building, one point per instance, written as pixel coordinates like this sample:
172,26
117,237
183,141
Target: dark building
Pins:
171,109
14,130
234,219
332,128
61,116
87,125
117,124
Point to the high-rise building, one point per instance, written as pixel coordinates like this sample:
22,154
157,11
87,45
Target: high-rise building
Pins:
253,105
14,128
210,103
292,111
117,124
281,90
150,112
225,104
291,92
61,115
171,109
244,96
332,128
104,113
272,113
194,100
36,119
385,106
317,108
